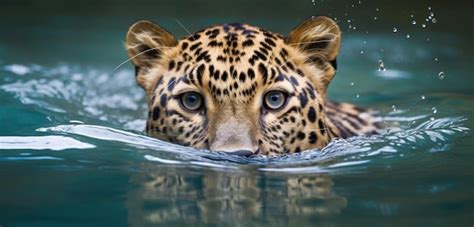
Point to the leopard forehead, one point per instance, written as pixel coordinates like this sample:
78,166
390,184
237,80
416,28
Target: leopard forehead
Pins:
235,61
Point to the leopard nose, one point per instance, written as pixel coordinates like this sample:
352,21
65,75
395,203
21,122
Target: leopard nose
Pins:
245,153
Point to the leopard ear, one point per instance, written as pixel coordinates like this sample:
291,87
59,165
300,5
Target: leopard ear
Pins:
320,39
146,41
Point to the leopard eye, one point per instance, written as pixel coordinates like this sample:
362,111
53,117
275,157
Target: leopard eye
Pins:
191,101
275,100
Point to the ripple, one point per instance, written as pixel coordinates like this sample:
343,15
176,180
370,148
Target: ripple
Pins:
42,143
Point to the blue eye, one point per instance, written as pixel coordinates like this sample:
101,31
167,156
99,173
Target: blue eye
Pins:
274,100
191,101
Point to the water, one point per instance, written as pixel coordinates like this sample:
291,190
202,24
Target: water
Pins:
72,150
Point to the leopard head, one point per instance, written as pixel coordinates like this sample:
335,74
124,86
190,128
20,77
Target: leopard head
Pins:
237,88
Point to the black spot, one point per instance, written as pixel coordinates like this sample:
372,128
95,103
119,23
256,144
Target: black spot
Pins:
163,100
280,78
171,84
194,46
156,113
171,65
321,127
199,73
263,71
264,45
201,56
194,37
251,74
290,66
312,138
242,77
184,46
300,135
303,100
294,81
213,43
297,150
216,75
247,43
260,55
270,42
311,114
224,76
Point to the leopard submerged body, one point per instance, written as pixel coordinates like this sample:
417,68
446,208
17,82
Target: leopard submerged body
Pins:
243,90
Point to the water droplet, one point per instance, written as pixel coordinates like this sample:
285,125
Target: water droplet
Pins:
361,52
357,96
412,16
394,108
429,7
432,119
436,59
408,36
395,29
423,25
360,2
441,75
434,110
423,97
354,28
364,42
377,9
434,20
375,18
431,14
352,83
413,22
381,66
349,21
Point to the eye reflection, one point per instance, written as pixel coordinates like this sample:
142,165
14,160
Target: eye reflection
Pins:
275,100
191,101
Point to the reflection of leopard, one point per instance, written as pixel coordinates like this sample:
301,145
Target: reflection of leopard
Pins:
244,90
168,197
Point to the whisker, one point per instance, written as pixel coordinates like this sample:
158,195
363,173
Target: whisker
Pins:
131,58
182,25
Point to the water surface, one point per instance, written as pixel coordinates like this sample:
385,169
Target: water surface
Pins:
73,151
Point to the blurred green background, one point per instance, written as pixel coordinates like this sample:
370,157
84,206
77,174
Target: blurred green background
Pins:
52,31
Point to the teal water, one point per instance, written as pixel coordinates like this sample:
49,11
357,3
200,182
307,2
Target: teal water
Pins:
73,151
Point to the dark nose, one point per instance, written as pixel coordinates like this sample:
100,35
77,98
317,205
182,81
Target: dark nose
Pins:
245,153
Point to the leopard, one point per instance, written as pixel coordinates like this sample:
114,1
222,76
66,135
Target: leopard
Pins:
243,90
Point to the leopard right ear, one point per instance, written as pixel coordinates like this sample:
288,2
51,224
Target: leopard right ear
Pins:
146,41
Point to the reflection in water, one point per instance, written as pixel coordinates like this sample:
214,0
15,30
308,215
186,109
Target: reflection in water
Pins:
165,196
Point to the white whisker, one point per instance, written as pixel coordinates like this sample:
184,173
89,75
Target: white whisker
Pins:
182,25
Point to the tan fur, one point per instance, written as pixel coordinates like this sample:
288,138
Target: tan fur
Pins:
232,67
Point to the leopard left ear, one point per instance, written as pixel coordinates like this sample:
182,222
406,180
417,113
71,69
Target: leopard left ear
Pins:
320,39
145,44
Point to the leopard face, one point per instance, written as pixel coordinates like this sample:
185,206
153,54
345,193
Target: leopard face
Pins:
237,88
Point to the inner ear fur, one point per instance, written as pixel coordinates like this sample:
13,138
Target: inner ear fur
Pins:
319,39
145,43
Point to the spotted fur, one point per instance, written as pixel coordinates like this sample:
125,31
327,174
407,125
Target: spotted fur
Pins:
232,66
